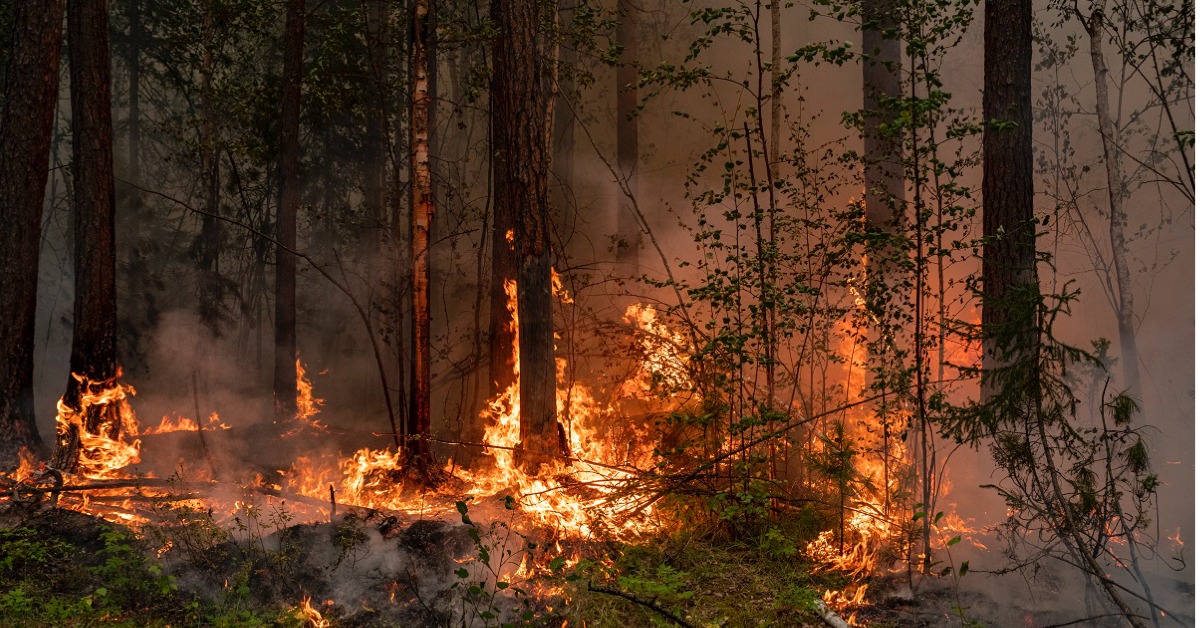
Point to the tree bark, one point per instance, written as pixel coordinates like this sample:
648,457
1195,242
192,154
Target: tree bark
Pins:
519,101
285,221
882,167
629,233
1010,280
94,338
1118,218
29,94
421,197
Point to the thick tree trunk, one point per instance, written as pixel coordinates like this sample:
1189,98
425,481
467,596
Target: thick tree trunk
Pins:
94,339
1009,255
285,220
883,170
27,106
521,192
1118,218
629,233
421,197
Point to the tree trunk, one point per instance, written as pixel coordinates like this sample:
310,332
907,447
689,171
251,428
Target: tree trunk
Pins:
134,65
563,163
882,167
209,243
94,338
1118,219
27,106
629,233
518,92
421,193
1010,282
285,221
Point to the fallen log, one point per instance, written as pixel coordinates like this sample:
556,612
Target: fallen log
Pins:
828,616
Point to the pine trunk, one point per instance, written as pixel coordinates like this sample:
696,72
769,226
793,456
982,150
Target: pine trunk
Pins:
519,102
27,106
1009,255
883,170
94,337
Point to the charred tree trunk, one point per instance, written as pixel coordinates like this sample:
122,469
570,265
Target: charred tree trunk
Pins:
629,233
285,220
1118,218
883,170
27,105
94,337
521,160
421,195
1010,283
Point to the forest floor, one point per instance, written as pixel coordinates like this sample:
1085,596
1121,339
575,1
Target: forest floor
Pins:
59,567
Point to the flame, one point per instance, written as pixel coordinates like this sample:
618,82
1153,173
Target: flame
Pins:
312,615
184,424
307,405
27,464
108,450
665,354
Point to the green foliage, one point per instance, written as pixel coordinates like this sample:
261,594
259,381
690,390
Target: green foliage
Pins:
130,579
487,595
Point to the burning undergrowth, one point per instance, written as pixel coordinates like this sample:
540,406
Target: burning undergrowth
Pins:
354,538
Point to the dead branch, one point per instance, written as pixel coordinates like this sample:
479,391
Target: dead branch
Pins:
654,606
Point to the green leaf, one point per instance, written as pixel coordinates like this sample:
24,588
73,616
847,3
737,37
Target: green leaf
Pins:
954,541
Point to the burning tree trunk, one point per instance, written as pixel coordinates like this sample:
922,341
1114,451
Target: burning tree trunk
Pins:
1117,193
518,93
422,217
94,339
27,107
629,233
1010,281
285,221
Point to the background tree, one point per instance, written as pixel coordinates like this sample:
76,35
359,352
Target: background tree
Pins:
28,91
629,232
285,219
